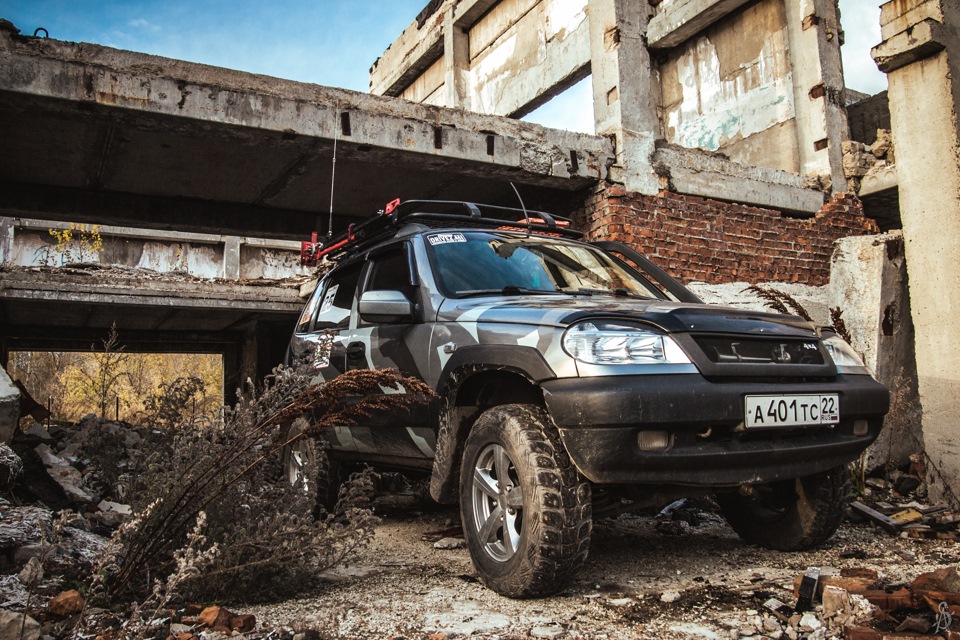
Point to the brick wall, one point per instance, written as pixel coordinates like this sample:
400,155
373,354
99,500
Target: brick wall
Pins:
699,239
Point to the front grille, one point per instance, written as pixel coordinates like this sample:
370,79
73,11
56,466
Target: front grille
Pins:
753,350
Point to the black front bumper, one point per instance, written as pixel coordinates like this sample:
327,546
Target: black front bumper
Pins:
599,419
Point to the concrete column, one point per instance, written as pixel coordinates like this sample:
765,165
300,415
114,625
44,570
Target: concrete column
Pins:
6,240
231,257
813,27
920,53
456,61
625,90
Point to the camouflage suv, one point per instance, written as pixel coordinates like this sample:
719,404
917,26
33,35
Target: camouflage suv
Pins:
576,378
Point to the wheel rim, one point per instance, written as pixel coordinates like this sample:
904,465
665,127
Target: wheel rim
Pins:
297,461
497,501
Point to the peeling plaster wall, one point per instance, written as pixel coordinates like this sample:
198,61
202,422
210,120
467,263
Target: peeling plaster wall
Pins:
522,49
731,90
202,259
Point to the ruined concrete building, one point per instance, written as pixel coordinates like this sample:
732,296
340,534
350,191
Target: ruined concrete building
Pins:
726,147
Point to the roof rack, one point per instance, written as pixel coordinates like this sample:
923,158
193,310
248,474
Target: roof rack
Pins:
446,213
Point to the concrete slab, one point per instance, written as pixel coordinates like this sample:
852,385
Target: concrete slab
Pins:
711,176
879,179
922,40
678,21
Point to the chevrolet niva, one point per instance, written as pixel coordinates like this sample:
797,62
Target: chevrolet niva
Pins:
574,377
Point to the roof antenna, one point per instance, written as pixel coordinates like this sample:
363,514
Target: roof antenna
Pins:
333,168
526,216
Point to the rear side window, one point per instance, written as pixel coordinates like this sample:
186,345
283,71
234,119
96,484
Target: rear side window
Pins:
303,324
337,299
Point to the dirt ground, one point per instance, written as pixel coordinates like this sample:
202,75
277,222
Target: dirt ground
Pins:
645,578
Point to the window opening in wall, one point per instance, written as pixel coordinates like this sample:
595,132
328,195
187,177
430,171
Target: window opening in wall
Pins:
118,385
572,109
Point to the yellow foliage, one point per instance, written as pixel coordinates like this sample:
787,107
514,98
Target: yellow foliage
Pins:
75,384
78,243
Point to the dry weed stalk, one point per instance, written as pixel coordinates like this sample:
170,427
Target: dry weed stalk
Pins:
780,302
229,468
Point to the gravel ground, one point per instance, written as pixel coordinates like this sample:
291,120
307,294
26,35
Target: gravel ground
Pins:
644,579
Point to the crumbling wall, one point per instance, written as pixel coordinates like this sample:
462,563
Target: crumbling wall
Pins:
868,115
731,89
701,239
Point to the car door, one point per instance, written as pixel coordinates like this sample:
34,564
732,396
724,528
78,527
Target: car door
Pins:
401,345
334,303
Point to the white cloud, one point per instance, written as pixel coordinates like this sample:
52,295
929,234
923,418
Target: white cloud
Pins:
143,25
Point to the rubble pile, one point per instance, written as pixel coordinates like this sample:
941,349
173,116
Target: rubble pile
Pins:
861,160
68,615
60,470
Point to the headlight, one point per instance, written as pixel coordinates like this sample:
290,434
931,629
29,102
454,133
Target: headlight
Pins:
842,353
599,342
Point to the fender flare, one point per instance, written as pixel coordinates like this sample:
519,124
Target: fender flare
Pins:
455,420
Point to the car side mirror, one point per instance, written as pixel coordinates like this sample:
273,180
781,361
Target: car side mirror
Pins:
385,306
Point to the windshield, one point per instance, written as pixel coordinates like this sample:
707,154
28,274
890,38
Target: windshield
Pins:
480,263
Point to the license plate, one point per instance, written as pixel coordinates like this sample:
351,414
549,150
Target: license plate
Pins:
791,411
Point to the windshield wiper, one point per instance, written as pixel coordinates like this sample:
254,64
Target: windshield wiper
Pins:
509,290
619,292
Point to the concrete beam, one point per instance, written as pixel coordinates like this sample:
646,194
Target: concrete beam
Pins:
101,77
678,21
90,206
899,17
467,12
52,286
418,47
922,40
520,57
711,176
878,180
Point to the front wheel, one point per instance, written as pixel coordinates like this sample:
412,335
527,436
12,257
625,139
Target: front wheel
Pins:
790,515
526,510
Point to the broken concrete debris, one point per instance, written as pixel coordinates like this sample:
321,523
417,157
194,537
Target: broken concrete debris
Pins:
867,609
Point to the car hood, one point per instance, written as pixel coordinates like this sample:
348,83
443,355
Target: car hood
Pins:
674,317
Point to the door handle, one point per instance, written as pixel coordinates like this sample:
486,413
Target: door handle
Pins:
355,350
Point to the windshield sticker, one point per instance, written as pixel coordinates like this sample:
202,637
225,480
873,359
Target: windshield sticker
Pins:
446,238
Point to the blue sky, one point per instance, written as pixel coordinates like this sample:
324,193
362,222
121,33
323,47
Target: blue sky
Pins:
328,42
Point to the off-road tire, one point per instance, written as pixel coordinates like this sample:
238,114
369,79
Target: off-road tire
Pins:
305,457
555,517
790,515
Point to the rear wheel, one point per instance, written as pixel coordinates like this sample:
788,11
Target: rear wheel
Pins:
525,509
790,515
